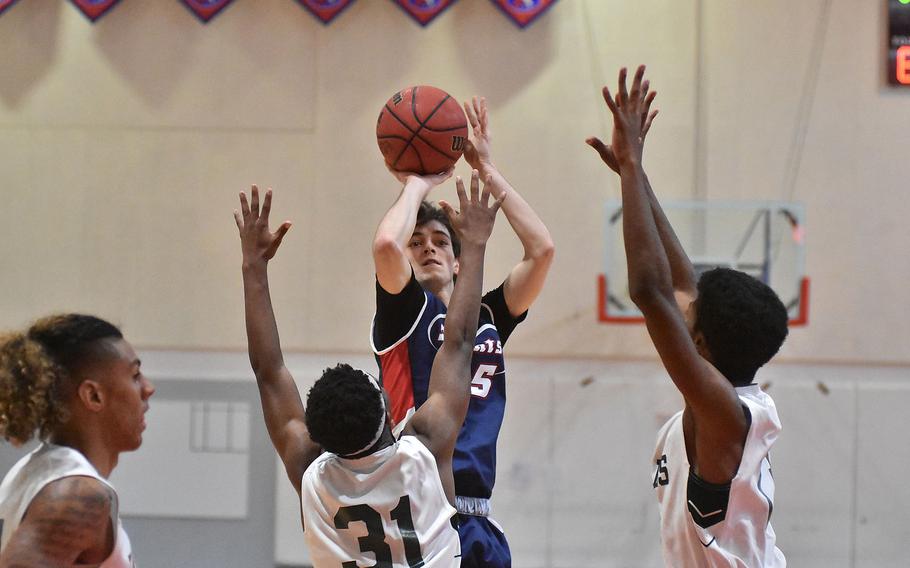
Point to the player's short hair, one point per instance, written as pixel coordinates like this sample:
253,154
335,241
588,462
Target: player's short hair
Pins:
39,370
743,321
429,212
344,410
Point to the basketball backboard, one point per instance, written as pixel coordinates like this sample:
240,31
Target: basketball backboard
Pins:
763,238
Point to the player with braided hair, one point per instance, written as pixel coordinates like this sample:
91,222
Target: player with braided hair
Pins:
73,380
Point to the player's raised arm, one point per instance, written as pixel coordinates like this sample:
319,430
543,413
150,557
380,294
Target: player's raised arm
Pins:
439,420
721,424
682,272
281,404
526,279
393,271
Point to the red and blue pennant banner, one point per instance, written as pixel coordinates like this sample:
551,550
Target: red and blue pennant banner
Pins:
94,9
5,4
424,11
325,10
523,12
205,10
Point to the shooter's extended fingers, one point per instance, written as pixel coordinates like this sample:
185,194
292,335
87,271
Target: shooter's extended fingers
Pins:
482,114
472,115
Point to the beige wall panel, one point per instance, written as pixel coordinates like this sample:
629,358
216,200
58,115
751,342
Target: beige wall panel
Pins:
153,65
132,137
759,63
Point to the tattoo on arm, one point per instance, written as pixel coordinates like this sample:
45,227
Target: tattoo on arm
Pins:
68,521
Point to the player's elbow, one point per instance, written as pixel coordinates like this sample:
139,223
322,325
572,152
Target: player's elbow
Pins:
648,292
386,246
544,251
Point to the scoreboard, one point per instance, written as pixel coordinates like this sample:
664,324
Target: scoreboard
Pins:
899,42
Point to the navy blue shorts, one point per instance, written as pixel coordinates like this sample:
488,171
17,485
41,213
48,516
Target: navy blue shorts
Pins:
482,544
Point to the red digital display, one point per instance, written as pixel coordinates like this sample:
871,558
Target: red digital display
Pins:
902,65
899,42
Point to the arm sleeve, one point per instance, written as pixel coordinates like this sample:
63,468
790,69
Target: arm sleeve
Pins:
495,302
396,314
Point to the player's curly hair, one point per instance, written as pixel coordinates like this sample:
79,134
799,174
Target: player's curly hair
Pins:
743,321
343,410
429,212
36,370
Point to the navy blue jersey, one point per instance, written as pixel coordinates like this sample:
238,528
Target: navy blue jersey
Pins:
407,332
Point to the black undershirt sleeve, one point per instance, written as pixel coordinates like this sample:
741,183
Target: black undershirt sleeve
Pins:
505,322
396,313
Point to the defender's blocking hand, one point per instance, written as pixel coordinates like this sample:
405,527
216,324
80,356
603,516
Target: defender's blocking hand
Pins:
256,241
474,221
632,119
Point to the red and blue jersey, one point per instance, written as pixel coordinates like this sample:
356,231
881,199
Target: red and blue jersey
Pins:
407,332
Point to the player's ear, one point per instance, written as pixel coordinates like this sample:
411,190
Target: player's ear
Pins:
701,345
90,395
455,267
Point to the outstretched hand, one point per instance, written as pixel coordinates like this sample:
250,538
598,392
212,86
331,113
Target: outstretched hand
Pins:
477,148
632,118
256,241
427,181
474,221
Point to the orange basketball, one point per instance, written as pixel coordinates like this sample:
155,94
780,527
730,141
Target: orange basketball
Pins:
422,130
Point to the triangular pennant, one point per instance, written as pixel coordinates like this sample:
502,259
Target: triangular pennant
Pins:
424,11
325,10
523,12
205,10
5,4
94,9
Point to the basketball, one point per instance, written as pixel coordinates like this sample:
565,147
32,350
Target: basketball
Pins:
422,130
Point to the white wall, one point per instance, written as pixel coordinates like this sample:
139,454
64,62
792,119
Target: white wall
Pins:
125,144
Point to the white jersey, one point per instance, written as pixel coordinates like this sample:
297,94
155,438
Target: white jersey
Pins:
32,473
711,526
387,509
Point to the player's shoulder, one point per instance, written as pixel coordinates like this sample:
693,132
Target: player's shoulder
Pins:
76,499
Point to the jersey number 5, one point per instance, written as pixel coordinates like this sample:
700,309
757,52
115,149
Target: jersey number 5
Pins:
483,380
374,541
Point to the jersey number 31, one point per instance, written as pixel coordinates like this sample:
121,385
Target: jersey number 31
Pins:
374,541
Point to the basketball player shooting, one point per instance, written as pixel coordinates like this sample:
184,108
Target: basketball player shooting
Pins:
417,257
712,470
370,499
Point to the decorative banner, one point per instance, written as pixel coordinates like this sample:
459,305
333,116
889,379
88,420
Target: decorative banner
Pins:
325,10
94,9
205,10
523,12
4,4
424,11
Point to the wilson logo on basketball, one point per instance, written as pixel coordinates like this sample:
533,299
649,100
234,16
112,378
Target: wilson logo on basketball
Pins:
457,143
396,98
